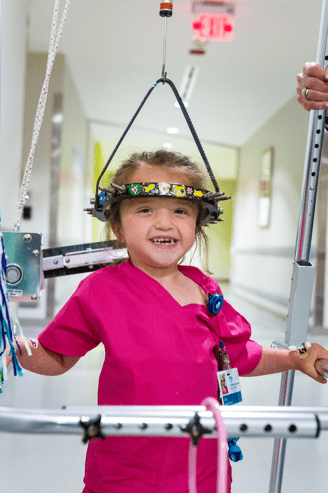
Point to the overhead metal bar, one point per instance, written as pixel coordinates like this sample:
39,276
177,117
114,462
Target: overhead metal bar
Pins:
246,422
303,270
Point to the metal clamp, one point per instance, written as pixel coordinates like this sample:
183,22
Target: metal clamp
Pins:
195,429
92,429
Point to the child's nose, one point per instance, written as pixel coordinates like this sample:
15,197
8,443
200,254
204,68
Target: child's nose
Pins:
164,218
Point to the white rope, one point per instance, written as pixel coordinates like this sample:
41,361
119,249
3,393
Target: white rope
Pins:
53,47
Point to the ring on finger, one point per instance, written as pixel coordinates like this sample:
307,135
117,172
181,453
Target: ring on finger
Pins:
305,93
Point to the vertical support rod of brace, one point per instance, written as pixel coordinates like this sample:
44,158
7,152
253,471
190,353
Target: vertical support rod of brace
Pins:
313,156
303,271
164,48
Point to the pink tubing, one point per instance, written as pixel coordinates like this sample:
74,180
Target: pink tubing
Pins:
212,405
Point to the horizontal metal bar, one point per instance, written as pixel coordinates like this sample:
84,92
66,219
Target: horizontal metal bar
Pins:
52,263
280,345
78,259
263,422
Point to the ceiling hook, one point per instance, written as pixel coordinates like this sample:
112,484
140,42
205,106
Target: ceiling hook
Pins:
165,10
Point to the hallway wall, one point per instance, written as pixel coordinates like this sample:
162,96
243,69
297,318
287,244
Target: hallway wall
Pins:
262,258
57,188
13,46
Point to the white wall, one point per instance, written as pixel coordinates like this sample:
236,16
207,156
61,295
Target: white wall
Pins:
262,258
69,217
75,182
13,55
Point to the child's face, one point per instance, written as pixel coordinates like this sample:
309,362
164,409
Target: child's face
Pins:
146,219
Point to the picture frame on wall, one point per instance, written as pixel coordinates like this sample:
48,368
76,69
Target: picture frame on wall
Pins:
265,188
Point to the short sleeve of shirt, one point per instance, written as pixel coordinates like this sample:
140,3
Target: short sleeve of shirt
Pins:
230,327
235,332
71,332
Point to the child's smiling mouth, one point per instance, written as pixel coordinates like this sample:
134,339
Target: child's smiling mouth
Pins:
164,241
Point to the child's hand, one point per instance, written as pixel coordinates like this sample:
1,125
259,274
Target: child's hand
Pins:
306,365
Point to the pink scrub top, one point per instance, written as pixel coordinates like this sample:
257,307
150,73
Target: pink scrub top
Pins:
157,353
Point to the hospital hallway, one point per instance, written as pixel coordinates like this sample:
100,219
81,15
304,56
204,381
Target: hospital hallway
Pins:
225,120
55,464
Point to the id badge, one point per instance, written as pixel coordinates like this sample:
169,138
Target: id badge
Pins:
230,388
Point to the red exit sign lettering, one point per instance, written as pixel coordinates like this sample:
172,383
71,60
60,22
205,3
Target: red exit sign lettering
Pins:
213,27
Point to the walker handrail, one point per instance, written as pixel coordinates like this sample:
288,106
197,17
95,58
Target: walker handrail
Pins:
243,421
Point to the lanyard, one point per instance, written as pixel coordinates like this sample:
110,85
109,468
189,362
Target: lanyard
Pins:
221,357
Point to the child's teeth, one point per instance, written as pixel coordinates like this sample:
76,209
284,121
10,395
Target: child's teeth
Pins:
162,241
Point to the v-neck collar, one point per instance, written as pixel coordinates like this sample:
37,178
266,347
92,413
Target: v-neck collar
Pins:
195,275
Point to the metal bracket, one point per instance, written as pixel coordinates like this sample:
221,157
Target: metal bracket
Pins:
24,273
92,429
195,429
299,303
28,266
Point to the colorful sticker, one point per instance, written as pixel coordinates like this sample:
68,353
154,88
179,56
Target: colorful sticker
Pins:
134,188
164,188
198,193
179,190
150,188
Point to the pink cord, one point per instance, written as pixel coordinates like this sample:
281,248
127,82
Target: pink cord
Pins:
212,405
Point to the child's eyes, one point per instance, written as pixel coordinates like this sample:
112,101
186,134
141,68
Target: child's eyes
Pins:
178,210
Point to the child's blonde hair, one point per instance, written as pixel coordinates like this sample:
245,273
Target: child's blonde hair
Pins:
171,161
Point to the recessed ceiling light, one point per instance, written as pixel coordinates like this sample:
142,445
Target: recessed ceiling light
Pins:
58,118
167,145
172,130
176,104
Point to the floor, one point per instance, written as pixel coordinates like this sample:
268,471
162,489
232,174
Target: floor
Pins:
55,464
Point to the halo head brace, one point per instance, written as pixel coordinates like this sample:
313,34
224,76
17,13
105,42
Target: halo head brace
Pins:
208,201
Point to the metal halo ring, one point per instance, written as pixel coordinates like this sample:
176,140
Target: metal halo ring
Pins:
204,198
305,93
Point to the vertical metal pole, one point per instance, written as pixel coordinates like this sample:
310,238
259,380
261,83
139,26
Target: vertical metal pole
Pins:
164,48
56,154
295,333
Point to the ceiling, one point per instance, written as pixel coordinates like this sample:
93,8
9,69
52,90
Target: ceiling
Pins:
114,51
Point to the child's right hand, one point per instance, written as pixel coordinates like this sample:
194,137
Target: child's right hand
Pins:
42,360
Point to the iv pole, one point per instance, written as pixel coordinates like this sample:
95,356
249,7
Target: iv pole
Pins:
303,270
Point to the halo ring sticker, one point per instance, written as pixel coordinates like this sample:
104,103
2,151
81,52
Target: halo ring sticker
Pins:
164,188
151,188
135,188
179,190
198,193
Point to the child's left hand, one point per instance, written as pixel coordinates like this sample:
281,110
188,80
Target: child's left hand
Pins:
306,365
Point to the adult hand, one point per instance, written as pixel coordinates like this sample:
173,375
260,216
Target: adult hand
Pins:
306,365
315,79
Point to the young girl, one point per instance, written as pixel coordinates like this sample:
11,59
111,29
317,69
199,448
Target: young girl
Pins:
151,314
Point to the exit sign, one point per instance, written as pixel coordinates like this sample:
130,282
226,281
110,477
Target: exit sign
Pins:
213,27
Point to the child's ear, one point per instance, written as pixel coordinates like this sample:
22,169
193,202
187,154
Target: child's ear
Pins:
116,228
